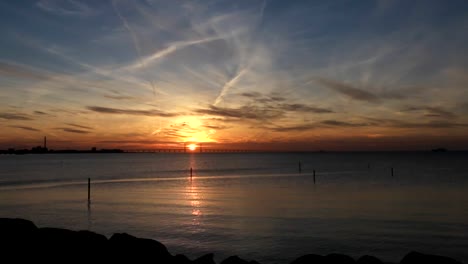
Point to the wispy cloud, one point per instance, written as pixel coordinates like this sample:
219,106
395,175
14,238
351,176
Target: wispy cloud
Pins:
216,127
22,72
338,123
429,111
431,124
171,48
127,26
15,116
72,130
261,98
301,127
304,108
108,110
369,122
260,107
26,128
395,123
228,85
78,126
66,7
244,112
119,97
349,90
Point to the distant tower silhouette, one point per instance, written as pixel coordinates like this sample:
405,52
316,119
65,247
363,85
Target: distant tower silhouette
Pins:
45,142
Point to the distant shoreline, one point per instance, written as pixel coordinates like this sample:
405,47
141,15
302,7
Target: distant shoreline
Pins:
181,151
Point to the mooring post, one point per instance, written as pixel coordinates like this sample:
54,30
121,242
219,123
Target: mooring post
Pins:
314,176
392,171
89,190
191,172
300,167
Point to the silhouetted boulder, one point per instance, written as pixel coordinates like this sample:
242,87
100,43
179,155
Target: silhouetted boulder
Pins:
124,247
16,226
22,242
205,259
310,259
16,230
180,259
55,244
234,260
17,235
339,259
416,258
368,260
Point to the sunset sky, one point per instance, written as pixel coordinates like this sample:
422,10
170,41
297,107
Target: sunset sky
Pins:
255,74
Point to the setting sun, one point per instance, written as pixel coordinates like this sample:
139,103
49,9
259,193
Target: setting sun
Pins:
192,147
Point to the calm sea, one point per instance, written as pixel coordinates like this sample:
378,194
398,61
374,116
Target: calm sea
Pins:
257,206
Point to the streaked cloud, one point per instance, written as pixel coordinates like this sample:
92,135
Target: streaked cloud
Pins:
15,116
171,48
304,108
349,90
72,130
27,128
228,85
22,72
78,126
119,97
429,111
216,127
66,7
342,123
108,110
233,72
294,128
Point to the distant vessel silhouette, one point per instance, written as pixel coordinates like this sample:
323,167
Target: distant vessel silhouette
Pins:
439,150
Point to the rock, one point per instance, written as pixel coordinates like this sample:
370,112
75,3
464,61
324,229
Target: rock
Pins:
55,244
205,259
416,258
234,260
368,260
310,259
17,235
124,247
339,259
180,259
16,226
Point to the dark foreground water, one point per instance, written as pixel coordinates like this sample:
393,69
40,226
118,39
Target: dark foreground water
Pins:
254,205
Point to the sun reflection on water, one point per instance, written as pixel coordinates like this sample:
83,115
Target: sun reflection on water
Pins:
194,195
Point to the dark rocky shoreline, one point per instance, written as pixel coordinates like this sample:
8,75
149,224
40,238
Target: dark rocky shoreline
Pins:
22,241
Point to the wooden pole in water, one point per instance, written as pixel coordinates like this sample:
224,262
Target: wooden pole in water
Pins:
300,167
392,171
191,172
314,176
89,190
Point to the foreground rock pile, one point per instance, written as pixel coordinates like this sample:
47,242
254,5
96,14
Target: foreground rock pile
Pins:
22,242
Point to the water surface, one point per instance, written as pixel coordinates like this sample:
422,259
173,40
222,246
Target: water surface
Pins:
255,205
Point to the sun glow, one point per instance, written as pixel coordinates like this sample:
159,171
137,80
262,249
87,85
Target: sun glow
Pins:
192,147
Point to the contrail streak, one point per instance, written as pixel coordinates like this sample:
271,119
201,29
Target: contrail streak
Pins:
227,86
136,43
170,49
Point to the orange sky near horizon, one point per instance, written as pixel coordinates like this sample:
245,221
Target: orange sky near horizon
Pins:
254,75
